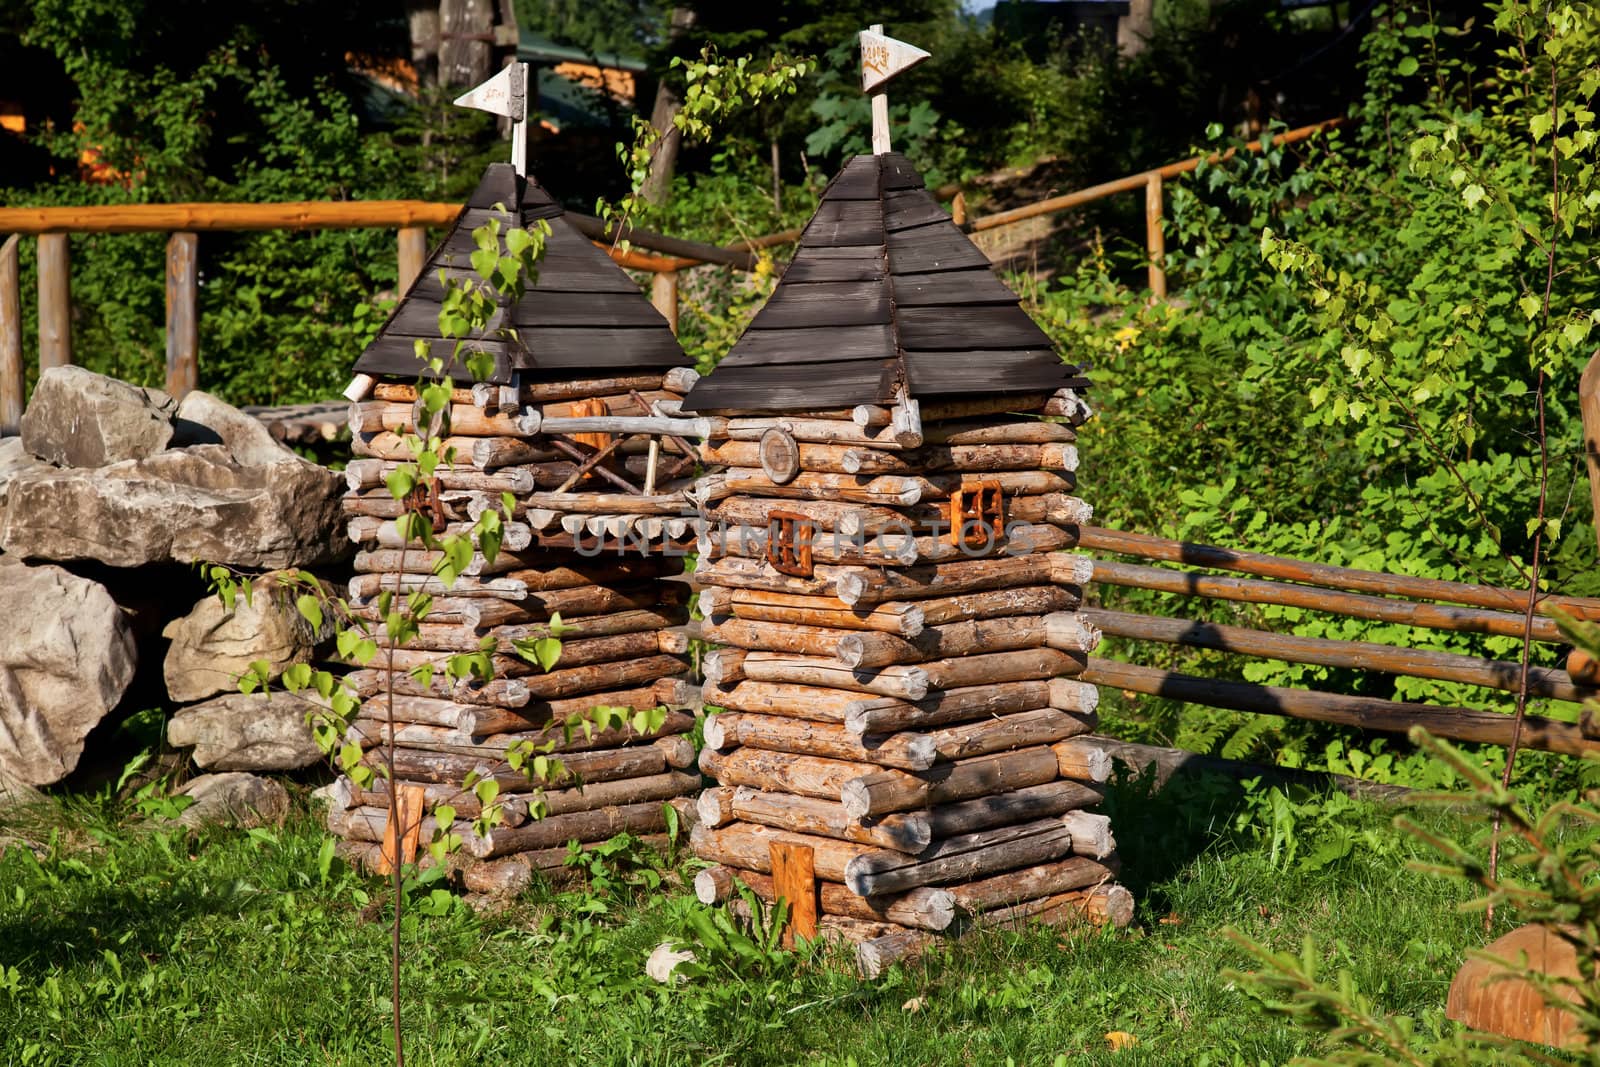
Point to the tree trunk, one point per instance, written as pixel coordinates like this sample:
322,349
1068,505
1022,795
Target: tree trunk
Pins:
664,161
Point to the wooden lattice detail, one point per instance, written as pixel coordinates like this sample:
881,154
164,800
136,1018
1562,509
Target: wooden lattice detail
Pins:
789,537
977,514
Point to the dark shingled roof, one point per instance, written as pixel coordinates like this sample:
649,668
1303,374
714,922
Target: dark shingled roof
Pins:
585,317
884,289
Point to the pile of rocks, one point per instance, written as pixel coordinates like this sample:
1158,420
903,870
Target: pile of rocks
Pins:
107,500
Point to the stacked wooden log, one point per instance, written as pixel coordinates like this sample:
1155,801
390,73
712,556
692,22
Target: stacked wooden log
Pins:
885,571
905,709
595,478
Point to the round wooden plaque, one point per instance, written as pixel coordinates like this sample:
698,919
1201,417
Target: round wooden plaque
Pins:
780,456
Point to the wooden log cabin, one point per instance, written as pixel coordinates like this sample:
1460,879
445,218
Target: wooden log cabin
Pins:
568,423
887,572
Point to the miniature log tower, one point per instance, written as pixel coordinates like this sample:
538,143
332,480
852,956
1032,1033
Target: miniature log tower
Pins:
567,425
897,748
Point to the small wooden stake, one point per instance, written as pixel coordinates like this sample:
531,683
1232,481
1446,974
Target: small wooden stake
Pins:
664,295
1588,404
183,315
413,254
409,800
1155,240
12,380
55,301
794,879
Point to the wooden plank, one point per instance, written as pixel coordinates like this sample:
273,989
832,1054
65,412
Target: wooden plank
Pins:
932,329
582,347
939,373
844,233
542,309
1367,713
1322,574
930,249
183,314
857,181
799,388
908,210
55,301
13,382
1358,655
957,287
868,267
402,833
794,879
820,344
898,173
796,305
1338,602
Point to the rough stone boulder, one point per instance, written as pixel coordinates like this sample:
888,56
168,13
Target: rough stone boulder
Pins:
77,418
66,657
211,647
183,505
15,460
241,732
233,799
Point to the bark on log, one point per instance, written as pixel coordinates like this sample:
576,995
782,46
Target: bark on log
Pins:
1027,804
888,715
807,776
878,954
1360,655
921,908
969,458
497,692
1061,630
880,792
479,720
822,431
1015,887
995,432
961,859
908,683
418,765
516,536
722,805
1082,760
1367,713
747,846
902,619
775,698
557,830
858,588
915,752
467,420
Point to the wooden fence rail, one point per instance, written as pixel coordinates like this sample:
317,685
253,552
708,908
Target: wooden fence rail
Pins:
1345,592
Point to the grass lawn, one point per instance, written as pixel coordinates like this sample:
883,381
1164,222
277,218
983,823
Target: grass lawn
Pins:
125,945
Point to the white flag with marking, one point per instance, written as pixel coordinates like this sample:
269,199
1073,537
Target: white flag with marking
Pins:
884,57
504,94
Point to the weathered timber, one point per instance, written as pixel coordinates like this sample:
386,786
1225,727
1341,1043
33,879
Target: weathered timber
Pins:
723,666
822,431
794,882
1027,804
902,619
1024,665
887,715
637,761
915,752
516,536
747,846
816,703
507,628
991,457
1065,631
575,653
369,732
733,572
1082,760
909,683
368,473
594,825
497,692
964,576
467,420
889,490
1029,883
879,792
996,432
807,776
1354,605
1023,729
578,680
722,805
1320,574
1361,655
1091,834
483,721
960,859
1100,905
876,955
921,908
1367,713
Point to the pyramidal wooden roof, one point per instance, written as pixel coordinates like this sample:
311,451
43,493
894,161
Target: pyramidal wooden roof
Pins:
884,289
584,318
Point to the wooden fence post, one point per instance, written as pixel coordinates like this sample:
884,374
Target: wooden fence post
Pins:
1155,241
1589,406
413,254
12,381
794,879
664,295
55,301
183,314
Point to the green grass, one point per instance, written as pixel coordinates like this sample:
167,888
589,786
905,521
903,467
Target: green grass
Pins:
128,946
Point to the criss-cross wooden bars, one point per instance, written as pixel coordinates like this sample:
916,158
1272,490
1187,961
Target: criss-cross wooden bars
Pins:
1265,580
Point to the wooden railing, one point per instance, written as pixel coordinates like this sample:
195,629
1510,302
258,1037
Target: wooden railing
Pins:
184,223
1426,603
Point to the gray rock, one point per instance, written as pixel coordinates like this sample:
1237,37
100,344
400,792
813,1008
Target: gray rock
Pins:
202,419
66,657
211,647
233,799
241,732
15,460
183,505
77,418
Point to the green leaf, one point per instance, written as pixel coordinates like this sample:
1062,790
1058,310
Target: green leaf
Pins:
546,651
1473,195
310,609
1407,66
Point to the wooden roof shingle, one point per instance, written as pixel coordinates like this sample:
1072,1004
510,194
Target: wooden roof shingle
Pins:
884,290
583,316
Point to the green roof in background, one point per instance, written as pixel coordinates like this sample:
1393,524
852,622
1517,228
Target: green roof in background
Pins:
538,49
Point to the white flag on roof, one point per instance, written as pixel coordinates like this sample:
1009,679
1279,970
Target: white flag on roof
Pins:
504,94
884,57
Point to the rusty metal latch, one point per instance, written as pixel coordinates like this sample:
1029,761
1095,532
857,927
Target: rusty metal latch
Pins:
789,537
977,514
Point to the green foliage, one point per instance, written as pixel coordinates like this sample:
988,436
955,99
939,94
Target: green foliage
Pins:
1547,877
